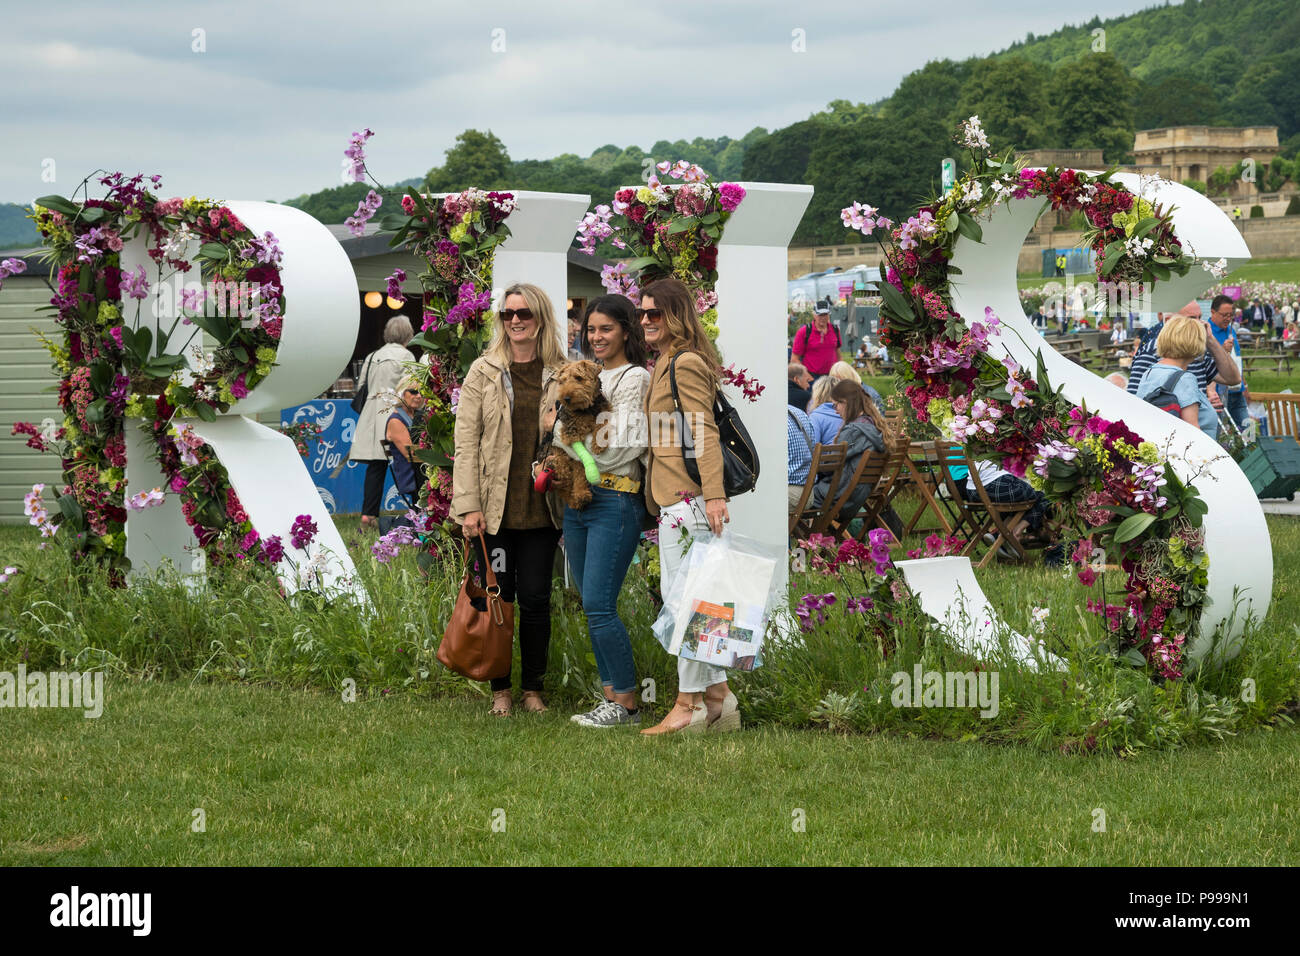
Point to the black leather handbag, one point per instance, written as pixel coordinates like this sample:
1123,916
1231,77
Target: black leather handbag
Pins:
359,397
739,457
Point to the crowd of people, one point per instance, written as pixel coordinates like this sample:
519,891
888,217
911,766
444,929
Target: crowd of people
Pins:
508,408
1181,363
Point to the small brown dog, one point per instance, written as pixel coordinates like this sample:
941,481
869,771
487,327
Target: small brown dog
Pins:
575,438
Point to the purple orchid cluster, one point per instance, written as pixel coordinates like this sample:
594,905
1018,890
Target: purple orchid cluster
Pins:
356,152
302,532
366,210
395,285
11,267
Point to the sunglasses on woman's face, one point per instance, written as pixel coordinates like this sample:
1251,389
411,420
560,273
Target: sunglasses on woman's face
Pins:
654,314
412,391
525,315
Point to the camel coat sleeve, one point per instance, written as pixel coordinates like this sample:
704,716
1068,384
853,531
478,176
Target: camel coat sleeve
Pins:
667,477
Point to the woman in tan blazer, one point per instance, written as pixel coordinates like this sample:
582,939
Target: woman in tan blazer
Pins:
381,371
507,404
685,509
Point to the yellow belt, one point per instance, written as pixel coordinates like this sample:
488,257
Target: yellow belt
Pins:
619,483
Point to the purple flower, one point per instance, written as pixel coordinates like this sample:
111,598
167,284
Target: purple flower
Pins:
859,605
267,249
117,397
469,302
366,210
356,152
880,539
395,285
387,547
11,267
273,550
134,284
238,388
191,299
249,540
811,604
302,531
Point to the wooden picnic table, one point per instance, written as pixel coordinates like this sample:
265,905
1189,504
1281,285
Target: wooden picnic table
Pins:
1279,360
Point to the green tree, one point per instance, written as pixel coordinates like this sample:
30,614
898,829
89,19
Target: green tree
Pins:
331,205
843,112
1175,101
782,157
889,163
1010,97
928,96
477,159
1220,181
1091,99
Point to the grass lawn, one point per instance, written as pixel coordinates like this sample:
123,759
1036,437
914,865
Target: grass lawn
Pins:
288,773
296,778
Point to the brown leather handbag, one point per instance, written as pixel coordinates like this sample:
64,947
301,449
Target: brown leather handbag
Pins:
480,637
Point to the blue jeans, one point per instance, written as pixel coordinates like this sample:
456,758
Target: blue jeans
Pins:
1235,404
599,541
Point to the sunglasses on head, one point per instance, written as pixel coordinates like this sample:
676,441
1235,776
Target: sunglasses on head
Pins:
654,314
508,314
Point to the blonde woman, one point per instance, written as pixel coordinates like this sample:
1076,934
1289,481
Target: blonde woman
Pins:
507,404
380,373
398,433
825,419
1181,341
844,372
686,509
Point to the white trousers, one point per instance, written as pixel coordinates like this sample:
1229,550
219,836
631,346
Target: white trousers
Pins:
693,677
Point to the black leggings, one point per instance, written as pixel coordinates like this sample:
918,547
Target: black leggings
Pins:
372,498
524,563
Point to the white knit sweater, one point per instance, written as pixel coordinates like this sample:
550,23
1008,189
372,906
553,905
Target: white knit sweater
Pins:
625,387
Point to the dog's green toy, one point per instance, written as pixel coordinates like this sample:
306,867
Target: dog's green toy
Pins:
582,453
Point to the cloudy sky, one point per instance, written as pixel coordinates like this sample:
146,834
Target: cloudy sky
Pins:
255,100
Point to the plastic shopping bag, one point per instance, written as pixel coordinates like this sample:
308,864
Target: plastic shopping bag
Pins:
718,604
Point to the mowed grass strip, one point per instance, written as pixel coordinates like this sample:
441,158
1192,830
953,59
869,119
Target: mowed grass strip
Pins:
292,778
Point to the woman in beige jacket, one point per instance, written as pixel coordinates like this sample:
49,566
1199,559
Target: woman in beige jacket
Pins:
381,371
685,508
507,404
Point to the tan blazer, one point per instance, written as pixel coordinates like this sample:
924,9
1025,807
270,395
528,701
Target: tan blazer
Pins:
484,442
384,370
666,474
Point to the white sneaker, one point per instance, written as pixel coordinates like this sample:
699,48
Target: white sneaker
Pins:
607,714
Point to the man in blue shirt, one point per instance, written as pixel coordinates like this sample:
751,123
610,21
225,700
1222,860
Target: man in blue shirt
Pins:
1235,397
1216,365
799,452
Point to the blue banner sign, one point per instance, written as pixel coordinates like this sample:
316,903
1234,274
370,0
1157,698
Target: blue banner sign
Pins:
340,481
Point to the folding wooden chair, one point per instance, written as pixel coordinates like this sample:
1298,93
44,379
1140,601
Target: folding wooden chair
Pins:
806,518
882,493
949,499
985,516
867,475
926,481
